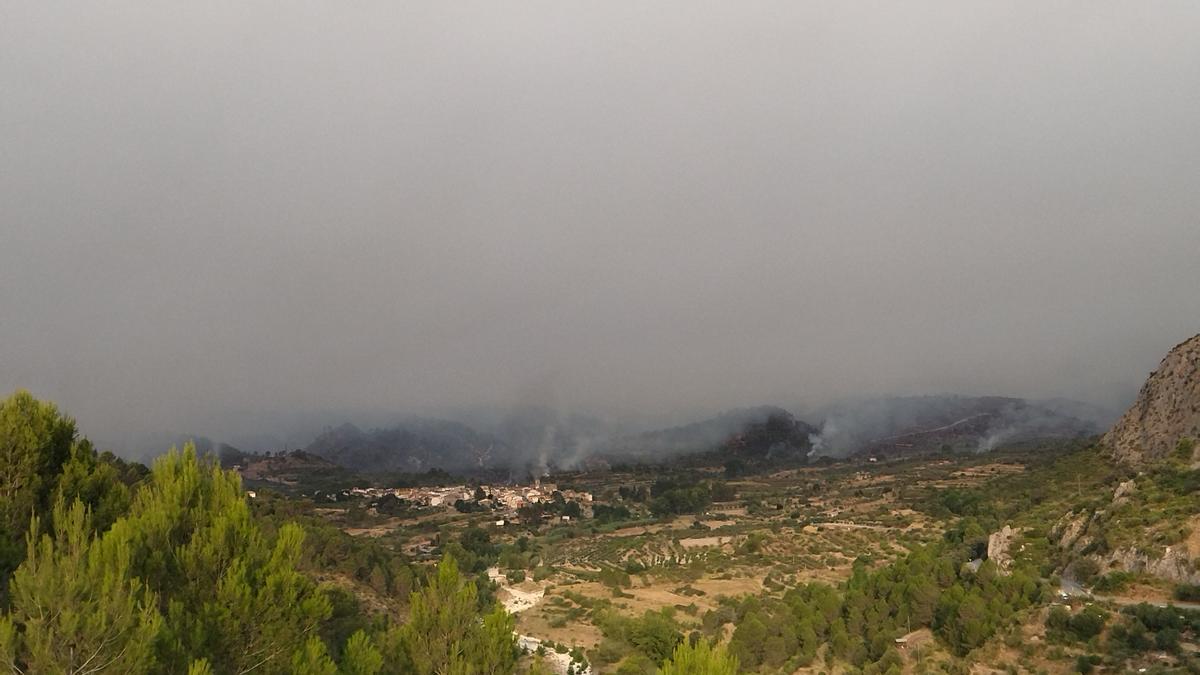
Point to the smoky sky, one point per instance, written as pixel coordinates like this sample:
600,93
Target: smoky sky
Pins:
215,210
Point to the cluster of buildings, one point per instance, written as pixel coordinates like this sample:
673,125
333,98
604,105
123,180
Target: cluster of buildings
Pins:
497,497
419,496
515,496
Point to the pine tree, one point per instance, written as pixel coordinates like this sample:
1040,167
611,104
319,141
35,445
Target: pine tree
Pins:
94,482
441,618
80,608
700,658
313,659
444,635
809,642
177,578
228,594
922,596
360,657
377,580
749,640
9,645
35,441
971,626
493,651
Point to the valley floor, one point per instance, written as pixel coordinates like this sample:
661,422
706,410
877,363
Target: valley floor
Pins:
585,590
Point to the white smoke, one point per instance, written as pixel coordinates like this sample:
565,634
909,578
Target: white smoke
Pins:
820,441
994,439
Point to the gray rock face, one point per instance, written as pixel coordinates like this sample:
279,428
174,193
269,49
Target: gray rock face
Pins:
1173,565
1075,533
1123,490
1166,410
1069,531
999,543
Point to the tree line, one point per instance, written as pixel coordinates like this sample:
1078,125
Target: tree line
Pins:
859,623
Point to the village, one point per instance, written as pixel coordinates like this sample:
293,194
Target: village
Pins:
511,503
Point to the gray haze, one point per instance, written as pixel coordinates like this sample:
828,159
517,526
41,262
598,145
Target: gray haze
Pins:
247,217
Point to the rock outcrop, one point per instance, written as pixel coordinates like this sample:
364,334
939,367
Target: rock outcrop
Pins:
999,545
1167,409
1077,534
1174,565
1071,534
1123,491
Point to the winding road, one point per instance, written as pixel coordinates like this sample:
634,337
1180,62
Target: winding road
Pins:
515,601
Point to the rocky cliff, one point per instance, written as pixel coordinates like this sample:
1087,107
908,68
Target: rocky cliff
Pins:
1166,410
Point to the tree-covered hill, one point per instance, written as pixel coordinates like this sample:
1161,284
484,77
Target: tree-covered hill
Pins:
415,445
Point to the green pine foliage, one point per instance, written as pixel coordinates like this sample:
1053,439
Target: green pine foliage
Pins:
185,575
229,594
76,607
1143,628
1063,626
361,657
313,659
127,571
654,635
35,442
199,667
927,588
671,497
329,550
96,482
444,634
700,658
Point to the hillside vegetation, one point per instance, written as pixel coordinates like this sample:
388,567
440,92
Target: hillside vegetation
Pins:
1044,556
112,568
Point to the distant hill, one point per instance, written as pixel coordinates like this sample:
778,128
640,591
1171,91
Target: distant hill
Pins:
536,440
745,432
415,445
779,436
287,471
906,425
1166,410
280,467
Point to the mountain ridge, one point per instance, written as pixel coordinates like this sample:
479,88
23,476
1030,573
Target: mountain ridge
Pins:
1166,410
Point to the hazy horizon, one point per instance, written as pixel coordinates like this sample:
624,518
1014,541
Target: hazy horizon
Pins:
225,219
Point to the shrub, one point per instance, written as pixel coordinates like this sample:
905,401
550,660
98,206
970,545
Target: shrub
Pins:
1113,581
615,578
1086,570
609,651
637,664
1188,592
1080,627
